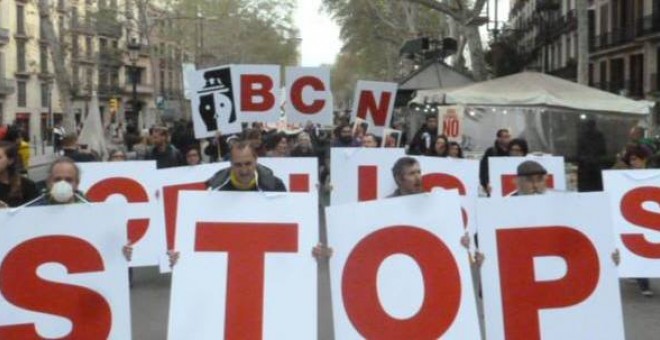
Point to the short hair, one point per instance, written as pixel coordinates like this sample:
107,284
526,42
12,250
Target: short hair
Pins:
524,147
639,151
400,165
500,132
242,144
251,134
161,129
430,116
70,139
340,127
64,160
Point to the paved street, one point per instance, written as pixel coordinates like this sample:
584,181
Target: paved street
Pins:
150,300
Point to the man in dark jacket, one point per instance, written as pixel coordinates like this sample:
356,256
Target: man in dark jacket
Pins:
164,153
71,149
245,174
408,177
421,142
499,149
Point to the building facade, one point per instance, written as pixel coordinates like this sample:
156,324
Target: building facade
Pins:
624,43
94,37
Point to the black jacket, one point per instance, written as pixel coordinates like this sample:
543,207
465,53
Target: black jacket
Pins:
168,159
266,181
422,141
493,151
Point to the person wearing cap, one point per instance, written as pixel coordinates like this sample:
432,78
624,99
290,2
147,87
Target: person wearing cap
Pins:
531,179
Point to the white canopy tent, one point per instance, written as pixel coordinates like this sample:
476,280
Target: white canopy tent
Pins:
533,89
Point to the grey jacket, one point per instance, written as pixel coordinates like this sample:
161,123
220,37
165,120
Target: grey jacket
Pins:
266,181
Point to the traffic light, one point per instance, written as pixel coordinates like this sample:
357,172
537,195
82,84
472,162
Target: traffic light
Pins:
114,105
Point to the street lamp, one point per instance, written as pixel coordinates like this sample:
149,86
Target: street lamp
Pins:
133,55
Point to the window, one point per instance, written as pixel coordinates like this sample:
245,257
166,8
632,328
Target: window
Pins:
20,56
21,93
89,78
44,95
89,47
43,58
20,19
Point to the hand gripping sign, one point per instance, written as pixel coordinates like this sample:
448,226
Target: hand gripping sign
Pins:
245,269
548,270
635,195
62,273
399,270
135,184
374,102
502,173
308,97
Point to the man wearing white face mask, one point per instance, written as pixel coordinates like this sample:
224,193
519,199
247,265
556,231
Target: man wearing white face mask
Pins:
61,184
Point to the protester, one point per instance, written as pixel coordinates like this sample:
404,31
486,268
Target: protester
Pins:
454,150
500,148
15,190
255,138
422,142
304,146
164,153
636,158
71,149
408,177
244,173
278,146
518,148
370,141
58,136
131,137
530,179
117,155
141,149
61,184
591,153
440,147
193,155
344,137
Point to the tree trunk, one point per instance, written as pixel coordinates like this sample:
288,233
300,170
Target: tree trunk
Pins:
477,57
583,42
62,78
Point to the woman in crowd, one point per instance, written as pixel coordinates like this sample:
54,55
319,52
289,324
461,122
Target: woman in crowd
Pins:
15,190
636,158
440,147
117,156
454,150
193,155
304,146
278,146
518,147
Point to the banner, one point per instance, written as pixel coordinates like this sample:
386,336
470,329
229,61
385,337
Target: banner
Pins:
399,270
309,98
258,92
502,173
214,101
634,197
548,271
136,186
246,270
62,273
450,122
374,102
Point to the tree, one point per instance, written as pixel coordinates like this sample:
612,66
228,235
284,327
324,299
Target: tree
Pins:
583,42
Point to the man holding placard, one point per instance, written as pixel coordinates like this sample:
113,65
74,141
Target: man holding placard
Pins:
408,177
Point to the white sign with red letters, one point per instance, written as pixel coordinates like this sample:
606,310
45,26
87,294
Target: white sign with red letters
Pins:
502,173
258,94
399,270
374,102
245,271
635,208
450,122
309,98
548,270
135,185
63,274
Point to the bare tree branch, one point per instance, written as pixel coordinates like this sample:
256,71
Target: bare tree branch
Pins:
441,7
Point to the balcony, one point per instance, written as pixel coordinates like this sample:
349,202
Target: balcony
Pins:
85,58
547,5
83,27
106,90
649,24
109,28
111,56
141,88
6,86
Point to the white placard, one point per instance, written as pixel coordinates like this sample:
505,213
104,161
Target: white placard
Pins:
399,270
502,173
299,174
218,287
309,98
374,102
450,122
63,273
134,184
548,271
634,197
258,95
214,102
